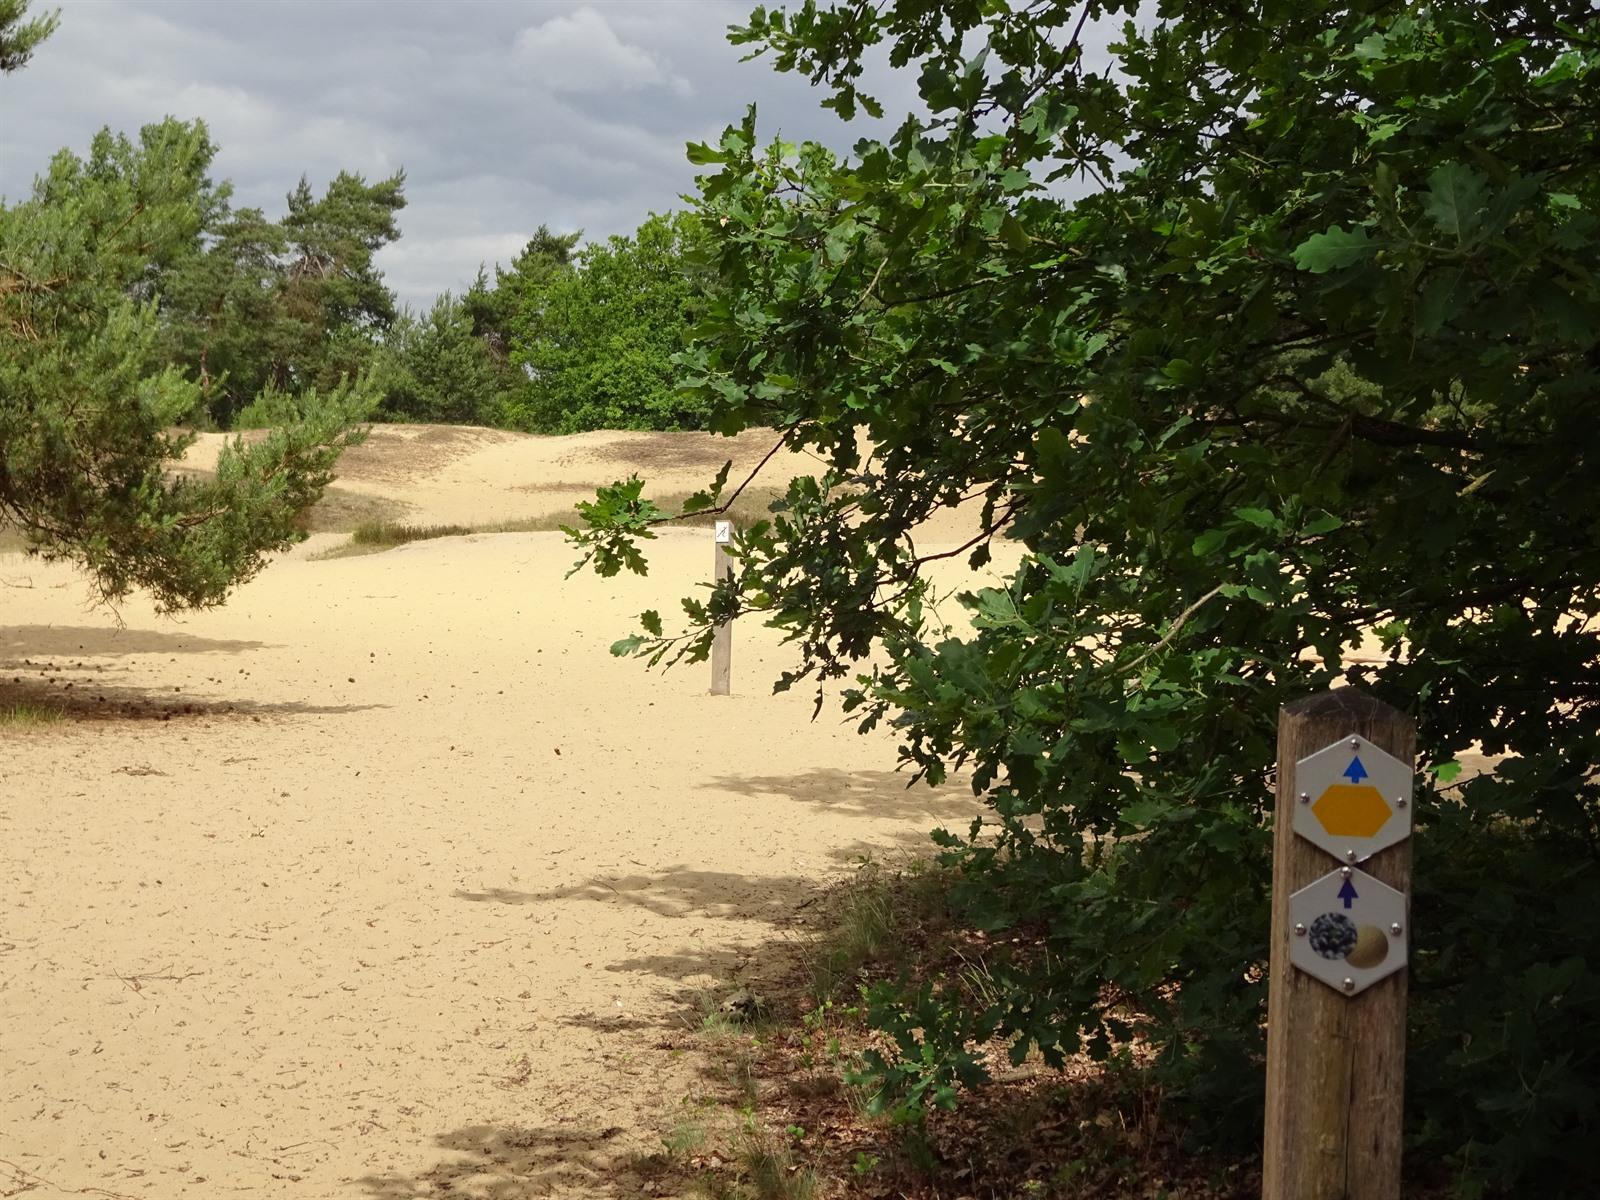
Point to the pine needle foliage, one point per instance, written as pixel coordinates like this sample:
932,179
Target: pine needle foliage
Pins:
88,424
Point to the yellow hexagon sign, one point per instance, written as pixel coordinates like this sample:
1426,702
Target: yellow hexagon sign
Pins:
1352,810
1352,799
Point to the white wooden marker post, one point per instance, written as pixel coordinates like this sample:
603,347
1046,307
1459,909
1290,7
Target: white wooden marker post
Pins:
722,641
1336,1005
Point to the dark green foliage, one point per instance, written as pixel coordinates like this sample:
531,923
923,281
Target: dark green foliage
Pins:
1315,360
495,309
455,364
18,37
86,411
294,304
246,303
330,278
598,340
563,340
222,315
437,369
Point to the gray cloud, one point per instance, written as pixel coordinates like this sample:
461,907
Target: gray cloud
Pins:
505,115
581,52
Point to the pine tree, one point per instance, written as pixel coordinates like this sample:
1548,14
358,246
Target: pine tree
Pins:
87,414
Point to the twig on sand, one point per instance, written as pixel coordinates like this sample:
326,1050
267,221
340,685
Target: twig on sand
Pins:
28,1181
298,1145
137,981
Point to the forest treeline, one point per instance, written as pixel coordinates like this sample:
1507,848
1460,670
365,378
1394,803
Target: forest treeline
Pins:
261,309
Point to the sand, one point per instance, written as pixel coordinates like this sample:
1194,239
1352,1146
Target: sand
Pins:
464,475
386,880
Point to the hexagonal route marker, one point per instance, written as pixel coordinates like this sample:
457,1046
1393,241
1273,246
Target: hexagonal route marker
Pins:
1349,930
1350,810
1336,983
1352,799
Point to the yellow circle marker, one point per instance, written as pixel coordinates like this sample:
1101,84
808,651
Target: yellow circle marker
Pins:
1372,947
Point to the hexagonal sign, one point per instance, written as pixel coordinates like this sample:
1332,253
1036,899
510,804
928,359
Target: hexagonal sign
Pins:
1352,799
1348,929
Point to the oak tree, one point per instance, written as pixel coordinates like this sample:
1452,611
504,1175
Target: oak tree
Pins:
1265,346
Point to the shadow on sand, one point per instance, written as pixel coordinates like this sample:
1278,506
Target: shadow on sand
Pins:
490,1162
51,667
21,644
782,903
685,893
511,1163
887,794
674,891
96,701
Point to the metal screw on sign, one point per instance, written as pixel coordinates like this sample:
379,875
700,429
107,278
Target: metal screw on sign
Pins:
1305,797
1300,930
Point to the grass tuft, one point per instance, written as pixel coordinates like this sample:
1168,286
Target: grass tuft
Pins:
374,537
765,1170
29,714
397,533
684,1139
880,920
770,1168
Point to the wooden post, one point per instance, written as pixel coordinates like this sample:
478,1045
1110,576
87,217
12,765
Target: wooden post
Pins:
1335,1063
722,641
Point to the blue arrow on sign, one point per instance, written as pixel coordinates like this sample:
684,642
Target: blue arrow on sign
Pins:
1355,772
1348,893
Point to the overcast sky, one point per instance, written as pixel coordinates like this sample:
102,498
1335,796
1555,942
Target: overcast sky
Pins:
505,114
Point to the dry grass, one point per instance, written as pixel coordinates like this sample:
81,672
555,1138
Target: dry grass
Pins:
1090,1131
383,534
29,714
341,511
768,1171
377,535
374,537
877,923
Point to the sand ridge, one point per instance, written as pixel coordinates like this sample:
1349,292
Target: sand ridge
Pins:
404,885
465,475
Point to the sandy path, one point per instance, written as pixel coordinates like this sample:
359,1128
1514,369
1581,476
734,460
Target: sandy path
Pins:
415,916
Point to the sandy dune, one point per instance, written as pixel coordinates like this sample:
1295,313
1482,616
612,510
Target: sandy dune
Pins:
463,475
386,880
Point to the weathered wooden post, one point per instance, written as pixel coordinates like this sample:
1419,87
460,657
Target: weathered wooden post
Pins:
722,641
1336,1017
